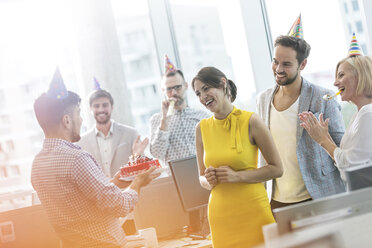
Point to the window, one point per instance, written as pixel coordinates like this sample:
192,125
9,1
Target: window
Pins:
355,5
3,172
25,88
320,68
349,28
2,99
30,49
138,54
345,8
364,48
359,27
4,120
9,145
14,170
211,33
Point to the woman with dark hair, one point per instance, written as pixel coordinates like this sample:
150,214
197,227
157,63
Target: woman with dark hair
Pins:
227,149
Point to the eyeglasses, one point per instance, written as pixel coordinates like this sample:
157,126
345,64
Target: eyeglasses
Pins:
176,87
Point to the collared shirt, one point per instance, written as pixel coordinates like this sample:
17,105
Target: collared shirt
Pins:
80,201
105,147
179,140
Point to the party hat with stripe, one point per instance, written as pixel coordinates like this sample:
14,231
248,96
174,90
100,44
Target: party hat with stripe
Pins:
355,49
296,29
96,85
169,67
57,88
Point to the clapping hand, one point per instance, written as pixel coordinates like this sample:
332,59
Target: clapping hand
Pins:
139,146
317,129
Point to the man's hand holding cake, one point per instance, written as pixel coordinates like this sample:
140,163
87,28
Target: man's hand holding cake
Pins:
142,179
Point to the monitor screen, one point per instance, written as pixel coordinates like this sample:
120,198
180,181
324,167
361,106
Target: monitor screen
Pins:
186,177
359,177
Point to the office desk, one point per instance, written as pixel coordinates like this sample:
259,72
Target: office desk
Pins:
185,242
160,207
342,220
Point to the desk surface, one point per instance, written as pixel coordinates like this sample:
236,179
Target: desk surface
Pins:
185,242
345,232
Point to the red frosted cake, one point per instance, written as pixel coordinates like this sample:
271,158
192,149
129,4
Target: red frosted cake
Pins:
138,164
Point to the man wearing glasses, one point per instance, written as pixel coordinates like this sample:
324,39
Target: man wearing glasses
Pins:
173,134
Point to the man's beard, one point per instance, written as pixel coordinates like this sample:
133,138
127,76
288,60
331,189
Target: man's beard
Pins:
104,121
179,101
289,80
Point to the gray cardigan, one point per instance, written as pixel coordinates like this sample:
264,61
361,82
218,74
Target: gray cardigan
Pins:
320,175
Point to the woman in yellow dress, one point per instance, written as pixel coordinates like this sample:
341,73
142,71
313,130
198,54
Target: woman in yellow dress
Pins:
227,149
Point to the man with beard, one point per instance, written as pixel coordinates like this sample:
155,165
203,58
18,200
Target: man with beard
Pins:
173,131
173,135
309,172
82,204
110,143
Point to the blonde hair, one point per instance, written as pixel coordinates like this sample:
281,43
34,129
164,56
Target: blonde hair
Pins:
362,69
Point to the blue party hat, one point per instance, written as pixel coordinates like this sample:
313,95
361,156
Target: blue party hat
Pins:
169,66
97,86
57,88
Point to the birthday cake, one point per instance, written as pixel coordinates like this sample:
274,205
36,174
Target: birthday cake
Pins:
136,165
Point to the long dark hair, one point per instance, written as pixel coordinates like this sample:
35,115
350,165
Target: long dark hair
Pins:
211,76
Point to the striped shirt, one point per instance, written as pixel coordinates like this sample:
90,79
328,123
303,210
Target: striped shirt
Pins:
80,201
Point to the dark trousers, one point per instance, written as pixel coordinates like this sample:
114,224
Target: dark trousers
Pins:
275,204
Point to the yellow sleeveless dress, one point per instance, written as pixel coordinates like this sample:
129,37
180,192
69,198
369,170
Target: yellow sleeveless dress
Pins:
236,211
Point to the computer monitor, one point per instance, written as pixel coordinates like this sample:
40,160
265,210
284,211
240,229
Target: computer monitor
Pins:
193,197
186,177
358,177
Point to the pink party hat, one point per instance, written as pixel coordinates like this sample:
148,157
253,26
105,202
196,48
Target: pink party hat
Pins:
96,86
355,49
57,88
169,67
296,29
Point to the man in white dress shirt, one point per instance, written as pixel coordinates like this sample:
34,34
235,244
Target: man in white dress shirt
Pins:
110,142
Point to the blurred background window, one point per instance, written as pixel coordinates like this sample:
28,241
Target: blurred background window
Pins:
211,33
36,37
140,63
